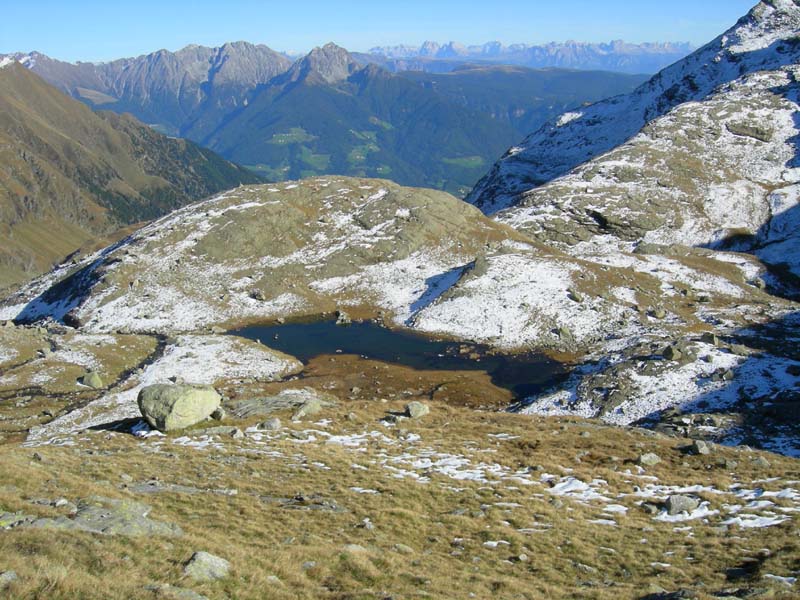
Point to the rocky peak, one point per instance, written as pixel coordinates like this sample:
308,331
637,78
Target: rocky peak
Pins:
328,64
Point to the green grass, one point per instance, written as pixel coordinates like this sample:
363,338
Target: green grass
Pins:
468,162
296,135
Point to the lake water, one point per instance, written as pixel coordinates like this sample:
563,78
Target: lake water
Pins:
524,375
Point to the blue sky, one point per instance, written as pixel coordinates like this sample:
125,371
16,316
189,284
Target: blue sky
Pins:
102,30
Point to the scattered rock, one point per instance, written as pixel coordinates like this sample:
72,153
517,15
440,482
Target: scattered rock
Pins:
342,318
672,353
650,508
678,503
710,338
222,431
310,407
659,313
285,400
403,549
206,567
111,517
700,447
7,578
170,407
574,295
761,462
354,549
174,593
649,459
219,414
273,424
416,410
92,380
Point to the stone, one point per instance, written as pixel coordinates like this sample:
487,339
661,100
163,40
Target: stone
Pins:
222,431
574,295
170,407
285,400
7,578
342,318
174,593
92,380
416,410
206,567
672,353
650,508
110,516
710,338
659,313
649,459
354,549
310,407
678,503
219,414
403,549
700,447
761,462
273,424
740,350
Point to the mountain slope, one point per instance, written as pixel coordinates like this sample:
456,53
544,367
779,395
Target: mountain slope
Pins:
69,175
521,97
764,39
329,115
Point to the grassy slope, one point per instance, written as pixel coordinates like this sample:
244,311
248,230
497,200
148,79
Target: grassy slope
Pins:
76,175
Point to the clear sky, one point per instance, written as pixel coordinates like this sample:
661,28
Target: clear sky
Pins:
104,29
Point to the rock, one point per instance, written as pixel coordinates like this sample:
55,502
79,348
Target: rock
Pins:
574,295
285,400
416,410
170,407
219,414
710,338
403,549
111,517
222,431
206,567
740,350
672,353
650,508
659,313
354,549
761,462
342,318
649,459
310,407
273,424
174,593
700,447
7,578
216,329
678,503
92,380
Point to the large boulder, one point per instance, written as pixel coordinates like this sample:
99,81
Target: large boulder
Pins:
169,407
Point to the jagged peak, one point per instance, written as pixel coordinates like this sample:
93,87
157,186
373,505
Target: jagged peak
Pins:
329,63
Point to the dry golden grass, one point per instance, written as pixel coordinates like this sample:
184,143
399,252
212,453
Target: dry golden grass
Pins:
444,522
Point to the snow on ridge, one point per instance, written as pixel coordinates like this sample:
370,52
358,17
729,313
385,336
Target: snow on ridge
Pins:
562,144
6,61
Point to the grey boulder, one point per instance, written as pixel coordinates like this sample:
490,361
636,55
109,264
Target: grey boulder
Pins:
170,407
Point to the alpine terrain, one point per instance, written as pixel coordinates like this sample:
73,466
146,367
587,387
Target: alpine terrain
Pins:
331,111
583,382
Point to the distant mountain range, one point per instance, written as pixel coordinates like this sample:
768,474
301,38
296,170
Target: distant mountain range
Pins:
332,111
70,176
616,55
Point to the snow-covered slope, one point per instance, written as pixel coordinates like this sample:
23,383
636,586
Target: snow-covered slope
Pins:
764,40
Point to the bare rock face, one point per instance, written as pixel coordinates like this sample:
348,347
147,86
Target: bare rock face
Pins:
171,407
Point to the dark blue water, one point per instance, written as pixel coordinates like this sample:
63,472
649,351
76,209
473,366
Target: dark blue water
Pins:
524,375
